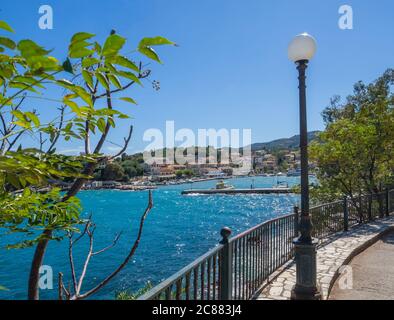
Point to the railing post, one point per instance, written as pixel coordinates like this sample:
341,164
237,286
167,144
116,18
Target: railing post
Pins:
345,215
380,199
226,272
370,199
387,202
296,221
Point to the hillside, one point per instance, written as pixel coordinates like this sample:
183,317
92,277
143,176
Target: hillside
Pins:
283,143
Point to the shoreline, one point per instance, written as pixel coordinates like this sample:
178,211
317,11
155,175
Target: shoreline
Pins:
155,185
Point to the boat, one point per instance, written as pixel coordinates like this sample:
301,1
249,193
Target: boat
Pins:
281,185
221,185
294,173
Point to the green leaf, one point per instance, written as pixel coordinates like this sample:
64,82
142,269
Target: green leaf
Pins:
97,47
129,75
85,96
88,62
101,124
33,118
6,42
111,122
68,126
103,80
150,53
115,80
21,85
124,62
79,52
65,83
7,71
23,124
29,48
155,41
5,26
112,45
28,79
127,99
43,63
81,36
18,114
145,45
67,66
78,90
123,116
13,179
87,76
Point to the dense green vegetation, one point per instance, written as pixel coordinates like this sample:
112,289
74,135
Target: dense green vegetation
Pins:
94,78
122,168
355,153
126,295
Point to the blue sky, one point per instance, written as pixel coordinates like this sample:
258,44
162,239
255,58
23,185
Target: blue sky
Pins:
231,68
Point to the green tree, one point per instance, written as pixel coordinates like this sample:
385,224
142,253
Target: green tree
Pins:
113,171
355,152
95,78
132,168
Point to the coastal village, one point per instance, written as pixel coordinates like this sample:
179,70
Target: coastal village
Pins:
131,172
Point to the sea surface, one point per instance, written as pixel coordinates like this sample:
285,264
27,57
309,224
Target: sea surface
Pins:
178,230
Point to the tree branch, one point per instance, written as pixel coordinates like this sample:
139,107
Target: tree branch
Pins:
88,257
59,128
140,76
77,295
126,143
110,246
107,126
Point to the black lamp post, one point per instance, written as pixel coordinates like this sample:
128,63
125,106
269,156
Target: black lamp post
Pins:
301,50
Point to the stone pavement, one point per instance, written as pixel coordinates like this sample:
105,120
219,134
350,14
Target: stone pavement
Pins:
372,273
337,251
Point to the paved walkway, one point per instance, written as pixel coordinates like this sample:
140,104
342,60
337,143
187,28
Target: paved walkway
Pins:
330,258
372,274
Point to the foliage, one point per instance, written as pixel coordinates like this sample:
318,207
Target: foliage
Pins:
125,295
355,152
32,212
132,168
95,78
112,171
184,173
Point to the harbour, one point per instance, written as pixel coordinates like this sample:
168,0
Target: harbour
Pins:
239,191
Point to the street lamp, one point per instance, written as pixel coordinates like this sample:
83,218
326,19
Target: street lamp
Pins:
301,50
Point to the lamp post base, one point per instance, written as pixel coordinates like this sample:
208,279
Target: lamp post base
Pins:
304,295
306,287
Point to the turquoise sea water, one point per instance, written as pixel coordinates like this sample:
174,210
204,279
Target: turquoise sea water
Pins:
177,231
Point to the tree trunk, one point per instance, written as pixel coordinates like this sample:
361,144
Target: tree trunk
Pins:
33,290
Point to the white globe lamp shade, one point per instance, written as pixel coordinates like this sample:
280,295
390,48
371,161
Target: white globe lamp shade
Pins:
302,47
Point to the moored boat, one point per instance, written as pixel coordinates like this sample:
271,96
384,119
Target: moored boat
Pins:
221,185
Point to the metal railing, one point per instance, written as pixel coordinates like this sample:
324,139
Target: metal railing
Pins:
330,218
258,252
234,269
327,219
239,266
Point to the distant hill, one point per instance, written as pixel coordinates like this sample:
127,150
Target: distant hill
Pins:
284,143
